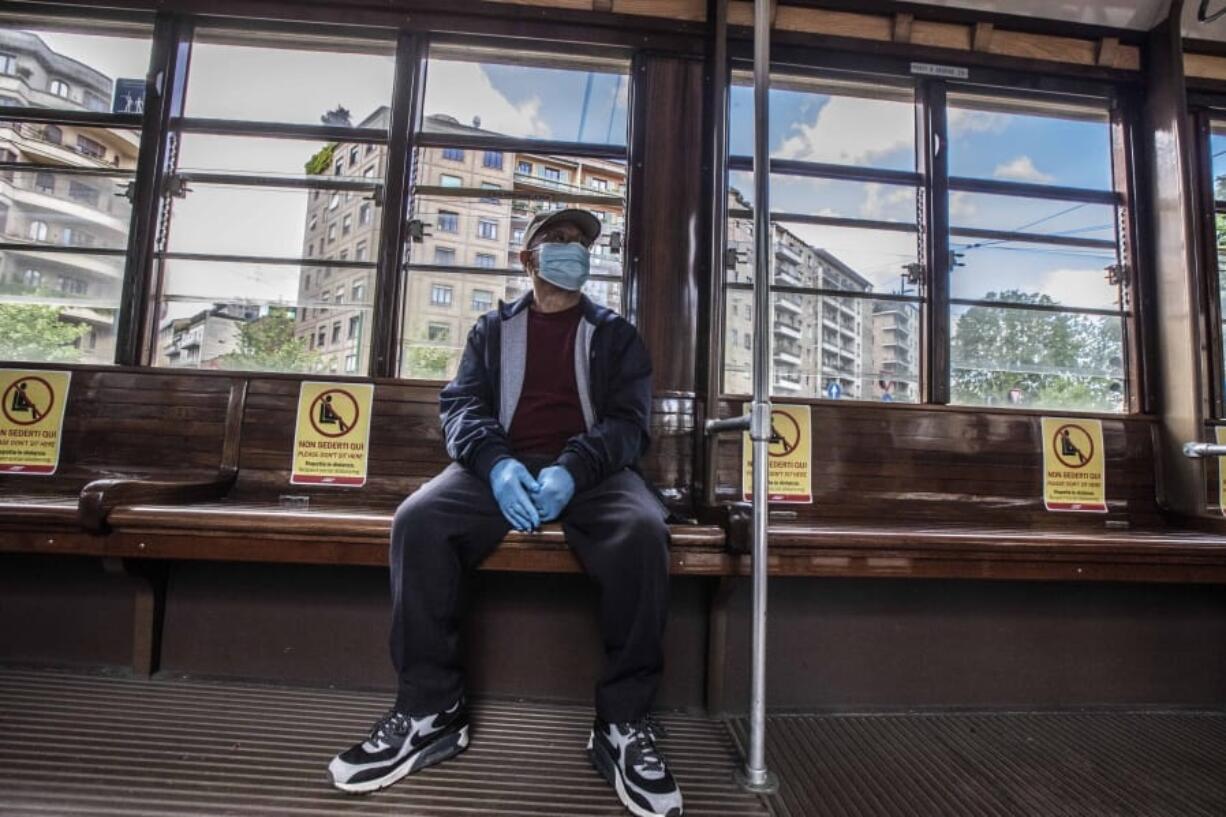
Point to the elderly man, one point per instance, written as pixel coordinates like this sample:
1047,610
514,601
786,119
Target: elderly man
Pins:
545,419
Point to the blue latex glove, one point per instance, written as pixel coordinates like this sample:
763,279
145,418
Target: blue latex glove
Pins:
511,483
557,487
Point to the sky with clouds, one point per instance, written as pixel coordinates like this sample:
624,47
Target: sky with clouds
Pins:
298,85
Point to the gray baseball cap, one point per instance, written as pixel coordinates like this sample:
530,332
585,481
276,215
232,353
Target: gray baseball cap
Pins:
587,223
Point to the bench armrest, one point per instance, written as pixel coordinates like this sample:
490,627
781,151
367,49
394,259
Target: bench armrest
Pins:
99,497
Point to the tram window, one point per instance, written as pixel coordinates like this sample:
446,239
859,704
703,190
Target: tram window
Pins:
244,75
848,325
57,306
1034,318
527,96
475,94
1217,154
241,255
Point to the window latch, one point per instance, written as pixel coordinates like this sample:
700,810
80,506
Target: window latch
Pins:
175,186
615,242
915,273
127,190
376,195
1117,275
417,230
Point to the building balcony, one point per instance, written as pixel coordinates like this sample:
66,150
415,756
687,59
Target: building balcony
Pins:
788,330
785,303
787,357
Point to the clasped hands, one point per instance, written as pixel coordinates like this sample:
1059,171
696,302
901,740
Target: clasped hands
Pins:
528,503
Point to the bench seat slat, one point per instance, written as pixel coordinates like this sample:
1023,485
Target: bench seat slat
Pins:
268,518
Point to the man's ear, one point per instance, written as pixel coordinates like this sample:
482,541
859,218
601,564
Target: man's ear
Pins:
525,258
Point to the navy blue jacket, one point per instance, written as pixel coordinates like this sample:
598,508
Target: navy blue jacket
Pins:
612,373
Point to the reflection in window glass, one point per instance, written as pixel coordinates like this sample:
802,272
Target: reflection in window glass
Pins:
1217,150
291,158
586,103
60,293
829,122
345,85
1036,359
1016,140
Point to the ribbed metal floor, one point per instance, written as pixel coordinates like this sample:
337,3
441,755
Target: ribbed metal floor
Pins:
74,744
1139,764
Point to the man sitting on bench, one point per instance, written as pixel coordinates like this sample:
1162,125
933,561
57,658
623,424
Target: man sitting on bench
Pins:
546,420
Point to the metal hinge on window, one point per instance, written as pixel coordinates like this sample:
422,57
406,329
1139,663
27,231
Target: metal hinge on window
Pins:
128,191
1117,275
376,195
175,186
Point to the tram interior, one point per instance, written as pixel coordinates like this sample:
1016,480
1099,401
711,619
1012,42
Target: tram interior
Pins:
997,371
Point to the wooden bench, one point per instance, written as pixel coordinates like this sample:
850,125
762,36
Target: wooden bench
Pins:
260,516
163,429
935,492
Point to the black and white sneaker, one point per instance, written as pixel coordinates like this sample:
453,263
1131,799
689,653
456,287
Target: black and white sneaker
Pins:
626,754
399,744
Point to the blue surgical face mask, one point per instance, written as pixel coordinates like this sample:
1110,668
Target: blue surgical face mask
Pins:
563,265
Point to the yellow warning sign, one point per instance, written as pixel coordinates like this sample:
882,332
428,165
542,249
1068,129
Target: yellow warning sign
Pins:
790,469
31,419
1220,438
1074,465
332,435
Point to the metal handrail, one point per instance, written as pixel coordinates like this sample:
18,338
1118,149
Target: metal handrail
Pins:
1197,451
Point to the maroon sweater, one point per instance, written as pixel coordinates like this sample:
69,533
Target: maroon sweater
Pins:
549,412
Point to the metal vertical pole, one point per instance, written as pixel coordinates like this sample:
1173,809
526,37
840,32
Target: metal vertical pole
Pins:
755,775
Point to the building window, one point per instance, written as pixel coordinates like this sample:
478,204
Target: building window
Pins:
306,281
44,182
358,292
335,201
446,180
487,229
310,249
524,167
483,300
453,154
336,333
359,251
322,338
346,224
492,159
485,260
95,102
339,168
365,214
354,155
88,147
331,233
448,222
444,256
440,295
600,184
438,332
84,193
340,294
314,222
552,174
37,231
8,64
53,134
351,362
354,322
490,186
59,88
32,278
368,173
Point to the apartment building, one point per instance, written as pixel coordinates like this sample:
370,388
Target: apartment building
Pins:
46,206
820,344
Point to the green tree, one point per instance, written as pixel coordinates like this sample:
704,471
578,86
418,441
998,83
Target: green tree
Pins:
268,344
35,332
429,362
1058,360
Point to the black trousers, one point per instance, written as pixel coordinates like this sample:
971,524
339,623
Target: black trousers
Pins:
452,523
